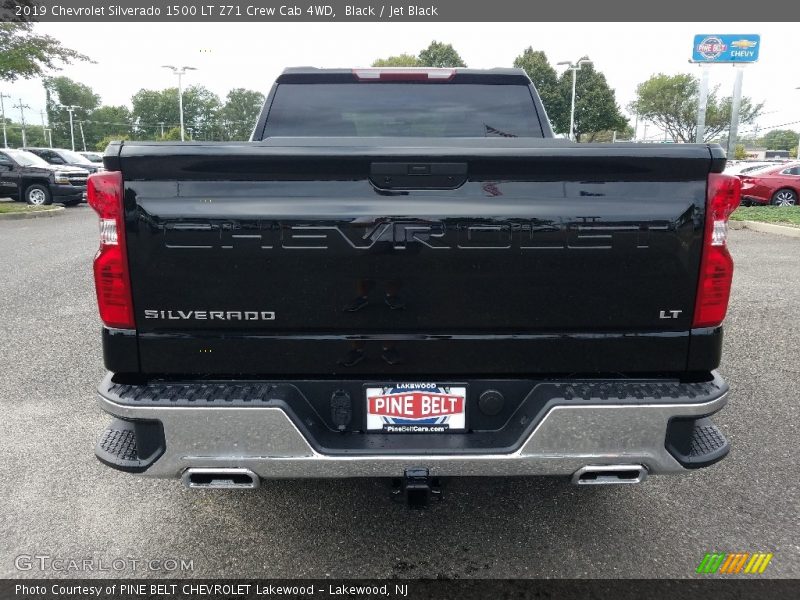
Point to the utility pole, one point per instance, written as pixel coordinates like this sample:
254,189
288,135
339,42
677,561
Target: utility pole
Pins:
3,116
83,139
50,136
162,129
71,109
180,72
22,108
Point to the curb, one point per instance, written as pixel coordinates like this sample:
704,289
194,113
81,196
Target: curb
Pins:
39,214
766,228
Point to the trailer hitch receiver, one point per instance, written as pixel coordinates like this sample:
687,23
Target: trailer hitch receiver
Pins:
417,488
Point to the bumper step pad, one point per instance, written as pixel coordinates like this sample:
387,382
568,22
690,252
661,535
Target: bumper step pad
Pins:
256,392
696,443
130,445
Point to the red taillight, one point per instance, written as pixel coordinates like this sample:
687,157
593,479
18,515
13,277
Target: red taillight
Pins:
111,279
403,74
716,264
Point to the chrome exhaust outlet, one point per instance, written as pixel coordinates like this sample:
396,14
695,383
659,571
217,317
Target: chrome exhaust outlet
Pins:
609,474
202,478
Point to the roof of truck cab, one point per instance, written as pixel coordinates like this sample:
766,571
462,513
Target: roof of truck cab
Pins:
461,75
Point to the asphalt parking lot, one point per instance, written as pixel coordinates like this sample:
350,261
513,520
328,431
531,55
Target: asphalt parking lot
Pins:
58,500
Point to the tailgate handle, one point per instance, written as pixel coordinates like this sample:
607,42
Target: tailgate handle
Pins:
418,175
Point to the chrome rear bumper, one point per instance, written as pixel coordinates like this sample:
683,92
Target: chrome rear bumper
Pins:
265,441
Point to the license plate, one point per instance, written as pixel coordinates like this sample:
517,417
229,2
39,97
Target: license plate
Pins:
416,408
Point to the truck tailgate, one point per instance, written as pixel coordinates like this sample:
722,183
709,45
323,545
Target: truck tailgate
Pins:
489,257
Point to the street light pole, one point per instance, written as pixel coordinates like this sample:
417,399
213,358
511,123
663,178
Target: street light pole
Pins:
574,67
180,100
572,108
70,109
180,72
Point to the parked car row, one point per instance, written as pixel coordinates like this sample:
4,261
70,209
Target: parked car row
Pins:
61,156
740,167
39,180
778,185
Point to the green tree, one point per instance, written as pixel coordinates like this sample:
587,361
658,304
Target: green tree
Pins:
151,108
401,60
24,55
101,145
596,107
173,135
670,102
61,92
739,152
439,54
780,139
112,122
545,79
624,134
201,109
239,113
14,133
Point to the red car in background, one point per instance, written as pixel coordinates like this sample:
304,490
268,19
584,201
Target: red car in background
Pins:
777,184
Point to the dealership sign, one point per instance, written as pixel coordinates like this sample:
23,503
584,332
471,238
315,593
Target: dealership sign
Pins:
742,48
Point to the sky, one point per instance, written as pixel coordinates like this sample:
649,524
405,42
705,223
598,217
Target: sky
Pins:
129,55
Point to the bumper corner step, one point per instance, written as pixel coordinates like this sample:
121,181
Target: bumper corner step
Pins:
130,446
696,443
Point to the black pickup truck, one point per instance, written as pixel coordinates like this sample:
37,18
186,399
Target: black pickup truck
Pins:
405,275
26,176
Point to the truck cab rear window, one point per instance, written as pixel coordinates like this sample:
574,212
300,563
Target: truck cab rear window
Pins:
402,109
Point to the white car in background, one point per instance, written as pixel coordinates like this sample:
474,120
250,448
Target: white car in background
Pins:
741,167
95,157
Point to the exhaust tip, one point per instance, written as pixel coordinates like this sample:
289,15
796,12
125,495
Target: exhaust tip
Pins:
201,478
609,474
